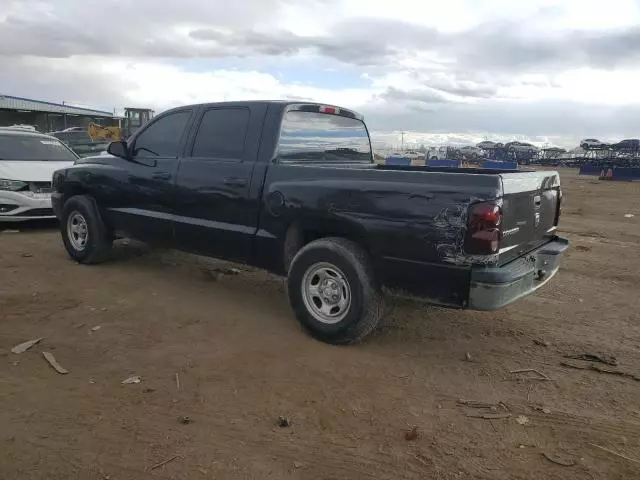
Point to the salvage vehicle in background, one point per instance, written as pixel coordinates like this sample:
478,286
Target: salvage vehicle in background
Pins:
134,118
81,142
102,133
27,162
292,188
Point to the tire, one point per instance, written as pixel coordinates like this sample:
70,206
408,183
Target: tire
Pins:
80,214
353,277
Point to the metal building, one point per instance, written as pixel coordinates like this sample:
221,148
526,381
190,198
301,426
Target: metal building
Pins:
48,116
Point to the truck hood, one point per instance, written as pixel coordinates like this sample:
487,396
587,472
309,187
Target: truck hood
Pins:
31,170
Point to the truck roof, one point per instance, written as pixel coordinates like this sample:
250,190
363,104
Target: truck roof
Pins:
249,103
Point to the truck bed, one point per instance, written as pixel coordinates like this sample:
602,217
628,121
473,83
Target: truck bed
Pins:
431,205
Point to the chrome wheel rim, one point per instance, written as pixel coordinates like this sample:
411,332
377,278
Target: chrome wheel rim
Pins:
326,293
77,231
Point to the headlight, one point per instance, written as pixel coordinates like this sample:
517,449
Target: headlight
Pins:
12,185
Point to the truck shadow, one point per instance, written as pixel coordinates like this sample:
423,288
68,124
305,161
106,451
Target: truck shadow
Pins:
417,328
30,226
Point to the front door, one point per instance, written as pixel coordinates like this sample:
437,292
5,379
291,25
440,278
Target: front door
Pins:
143,207
216,211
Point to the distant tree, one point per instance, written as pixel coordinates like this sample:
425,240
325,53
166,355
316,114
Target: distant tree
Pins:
422,149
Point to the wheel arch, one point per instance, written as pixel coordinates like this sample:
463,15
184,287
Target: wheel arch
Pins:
302,232
72,190
77,189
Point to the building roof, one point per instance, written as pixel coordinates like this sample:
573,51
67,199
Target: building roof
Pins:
17,132
19,103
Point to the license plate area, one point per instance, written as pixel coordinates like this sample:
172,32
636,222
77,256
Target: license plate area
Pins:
41,195
40,189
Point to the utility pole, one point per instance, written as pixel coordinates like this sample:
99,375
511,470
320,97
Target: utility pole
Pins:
402,141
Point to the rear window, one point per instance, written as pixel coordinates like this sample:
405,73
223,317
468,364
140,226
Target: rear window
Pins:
320,137
22,147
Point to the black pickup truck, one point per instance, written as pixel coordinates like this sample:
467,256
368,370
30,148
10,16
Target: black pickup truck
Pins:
292,188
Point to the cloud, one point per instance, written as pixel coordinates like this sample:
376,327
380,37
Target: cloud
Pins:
425,95
131,82
194,28
513,46
79,81
462,71
126,82
514,119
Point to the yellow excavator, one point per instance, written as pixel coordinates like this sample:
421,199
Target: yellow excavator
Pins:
134,118
101,133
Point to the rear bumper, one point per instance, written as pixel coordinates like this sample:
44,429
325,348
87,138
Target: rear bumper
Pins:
493,288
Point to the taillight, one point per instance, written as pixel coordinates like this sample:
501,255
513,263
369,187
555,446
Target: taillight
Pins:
331,110
484,230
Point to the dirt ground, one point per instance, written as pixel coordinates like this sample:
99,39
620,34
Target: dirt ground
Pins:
242,361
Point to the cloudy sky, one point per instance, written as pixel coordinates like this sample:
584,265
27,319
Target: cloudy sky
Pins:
443,71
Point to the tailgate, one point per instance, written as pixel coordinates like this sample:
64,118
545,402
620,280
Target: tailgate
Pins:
530,211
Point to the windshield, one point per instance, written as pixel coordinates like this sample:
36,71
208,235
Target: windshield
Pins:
27,148
321,137
135,119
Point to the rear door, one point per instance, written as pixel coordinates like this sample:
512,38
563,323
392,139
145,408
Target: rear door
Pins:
216,213
530,211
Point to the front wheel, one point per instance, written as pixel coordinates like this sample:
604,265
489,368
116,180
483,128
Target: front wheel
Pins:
333,291
84,234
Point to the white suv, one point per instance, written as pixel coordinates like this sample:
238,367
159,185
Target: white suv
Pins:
27,162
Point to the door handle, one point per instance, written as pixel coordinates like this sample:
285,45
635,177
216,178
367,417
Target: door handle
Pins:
235,182
161,175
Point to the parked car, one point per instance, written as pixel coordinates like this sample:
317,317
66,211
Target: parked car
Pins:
27,162
292,188
470,152
81,142
630,146
437,153
593,143
22,126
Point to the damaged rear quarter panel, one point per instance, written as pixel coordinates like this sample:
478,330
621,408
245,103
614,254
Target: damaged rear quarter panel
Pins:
417,216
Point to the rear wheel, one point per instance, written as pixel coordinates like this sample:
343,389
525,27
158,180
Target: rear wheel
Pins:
333,291
84,234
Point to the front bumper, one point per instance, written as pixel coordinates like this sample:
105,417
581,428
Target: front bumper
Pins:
493,288
21,206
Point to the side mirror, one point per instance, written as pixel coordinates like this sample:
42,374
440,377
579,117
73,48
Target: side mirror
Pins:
118,149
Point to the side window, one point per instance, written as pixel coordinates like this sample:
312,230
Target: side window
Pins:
162,138
134,118
222,133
